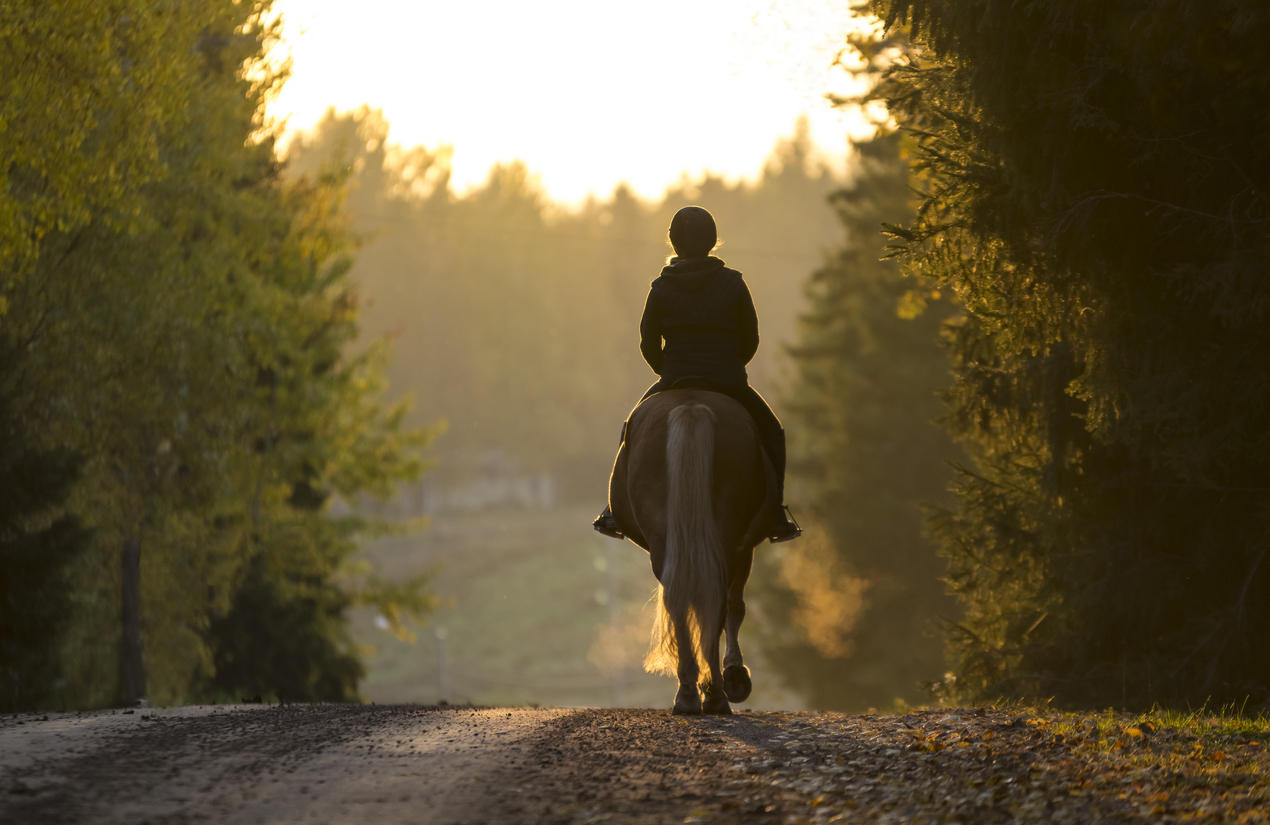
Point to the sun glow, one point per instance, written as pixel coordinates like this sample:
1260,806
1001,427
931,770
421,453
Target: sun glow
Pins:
587,94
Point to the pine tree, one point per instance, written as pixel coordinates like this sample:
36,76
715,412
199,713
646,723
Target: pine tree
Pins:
1098,198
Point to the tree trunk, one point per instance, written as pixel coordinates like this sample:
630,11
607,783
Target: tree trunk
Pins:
134,674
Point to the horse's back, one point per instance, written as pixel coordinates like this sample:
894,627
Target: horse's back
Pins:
639,486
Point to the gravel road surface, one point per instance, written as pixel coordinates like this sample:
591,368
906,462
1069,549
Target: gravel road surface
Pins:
252,764
469,766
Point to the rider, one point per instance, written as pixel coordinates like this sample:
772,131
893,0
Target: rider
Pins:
705,314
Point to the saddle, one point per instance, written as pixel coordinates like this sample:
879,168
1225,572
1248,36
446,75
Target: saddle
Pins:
696,382
688,382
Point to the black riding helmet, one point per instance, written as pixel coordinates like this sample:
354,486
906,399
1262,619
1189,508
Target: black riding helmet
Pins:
692,232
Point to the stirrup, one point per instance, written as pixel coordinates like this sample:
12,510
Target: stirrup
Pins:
606,525
787,531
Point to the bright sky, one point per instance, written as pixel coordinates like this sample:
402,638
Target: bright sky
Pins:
587,92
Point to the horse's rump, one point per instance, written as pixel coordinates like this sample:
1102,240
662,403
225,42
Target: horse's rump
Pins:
639,484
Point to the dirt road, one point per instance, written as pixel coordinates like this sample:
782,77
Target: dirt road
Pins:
410,764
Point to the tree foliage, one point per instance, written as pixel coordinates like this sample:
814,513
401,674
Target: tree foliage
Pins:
199,356
1097,199
91,89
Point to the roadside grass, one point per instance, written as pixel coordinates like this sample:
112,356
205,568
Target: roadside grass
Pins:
1207,731
1193,763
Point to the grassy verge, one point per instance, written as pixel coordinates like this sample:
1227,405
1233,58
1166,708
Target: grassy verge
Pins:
1008,764
1196,764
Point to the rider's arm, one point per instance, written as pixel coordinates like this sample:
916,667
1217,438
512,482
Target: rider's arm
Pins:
650,334
747,323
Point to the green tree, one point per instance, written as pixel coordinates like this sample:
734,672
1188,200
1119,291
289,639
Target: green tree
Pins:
285,638
200,358
90,90
1096,180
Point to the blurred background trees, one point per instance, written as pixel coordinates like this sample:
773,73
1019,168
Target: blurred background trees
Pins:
516,320
853,610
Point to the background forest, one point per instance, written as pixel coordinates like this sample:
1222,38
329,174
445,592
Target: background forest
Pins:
516,320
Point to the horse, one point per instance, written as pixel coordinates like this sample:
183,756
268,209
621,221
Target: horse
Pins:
693,487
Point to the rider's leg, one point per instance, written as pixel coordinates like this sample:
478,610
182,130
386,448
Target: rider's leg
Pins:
772,434
770,431
605,522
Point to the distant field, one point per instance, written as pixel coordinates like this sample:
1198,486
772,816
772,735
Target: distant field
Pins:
541,610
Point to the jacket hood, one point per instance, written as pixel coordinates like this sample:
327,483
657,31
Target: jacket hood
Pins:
692,273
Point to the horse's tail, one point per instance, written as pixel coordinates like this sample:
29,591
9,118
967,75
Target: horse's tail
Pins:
693,580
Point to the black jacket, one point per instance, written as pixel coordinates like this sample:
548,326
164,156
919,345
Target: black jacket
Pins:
705,313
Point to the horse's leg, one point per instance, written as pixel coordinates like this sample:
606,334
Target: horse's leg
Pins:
736,676
687,698
716,701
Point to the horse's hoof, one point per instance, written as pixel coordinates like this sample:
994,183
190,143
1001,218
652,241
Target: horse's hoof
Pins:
715,702
687,703
736,683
